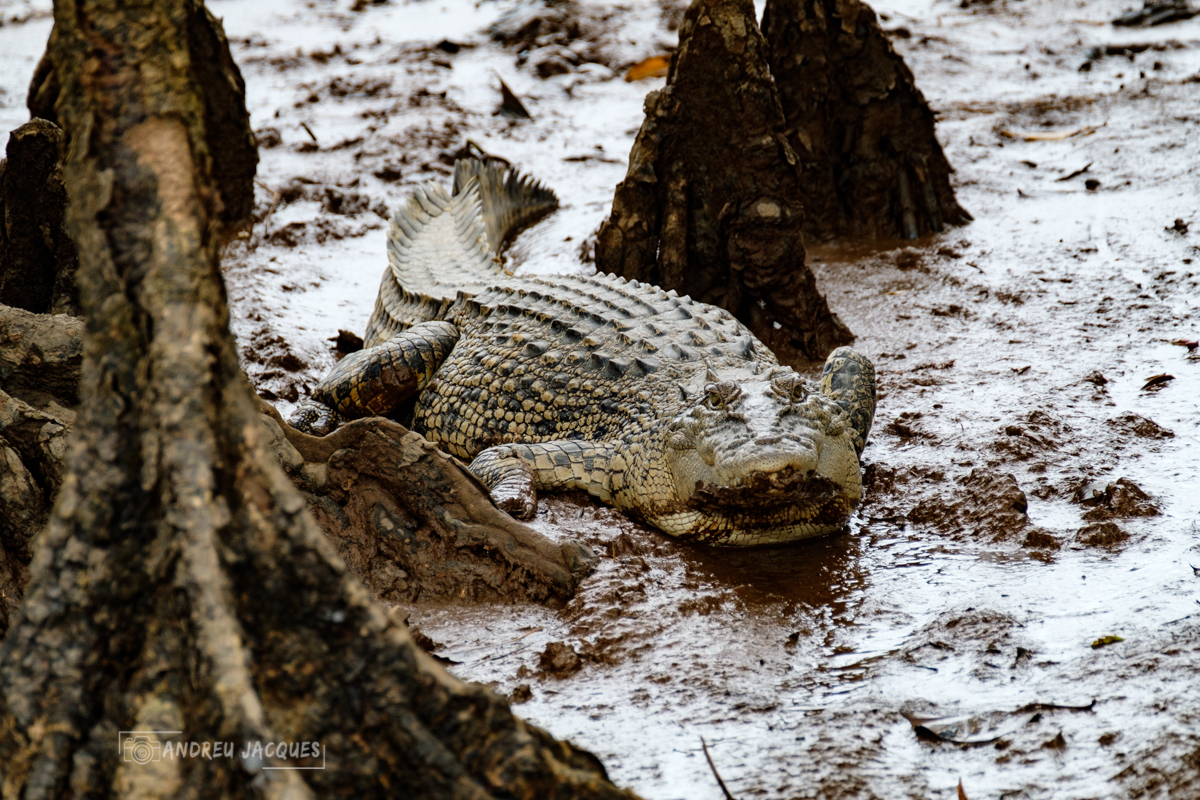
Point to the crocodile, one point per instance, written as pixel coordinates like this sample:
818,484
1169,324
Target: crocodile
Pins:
666,408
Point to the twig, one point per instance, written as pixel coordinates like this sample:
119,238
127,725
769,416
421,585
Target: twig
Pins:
266,229
1075,174
308,130
713,767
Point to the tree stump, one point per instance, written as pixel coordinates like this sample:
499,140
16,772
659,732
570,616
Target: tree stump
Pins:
869,160
712,204
39,370
37,257
181,585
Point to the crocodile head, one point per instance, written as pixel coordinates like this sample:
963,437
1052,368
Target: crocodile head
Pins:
758,460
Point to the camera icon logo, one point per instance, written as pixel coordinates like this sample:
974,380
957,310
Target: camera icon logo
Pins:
141,748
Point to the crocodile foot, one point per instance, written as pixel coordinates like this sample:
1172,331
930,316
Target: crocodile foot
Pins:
509,479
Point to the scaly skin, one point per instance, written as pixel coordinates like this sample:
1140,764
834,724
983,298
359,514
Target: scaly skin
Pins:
666,408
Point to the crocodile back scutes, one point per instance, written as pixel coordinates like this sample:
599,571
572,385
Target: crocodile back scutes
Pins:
437,247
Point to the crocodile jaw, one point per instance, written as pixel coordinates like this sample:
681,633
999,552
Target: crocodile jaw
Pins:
791,495
767,471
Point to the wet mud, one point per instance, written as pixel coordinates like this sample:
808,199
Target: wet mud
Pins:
1013,605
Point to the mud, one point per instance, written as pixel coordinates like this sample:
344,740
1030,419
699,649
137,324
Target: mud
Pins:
948,633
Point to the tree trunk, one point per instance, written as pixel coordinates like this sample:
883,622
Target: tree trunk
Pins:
712,203
221,90
39,370
37,257
864,135
180,584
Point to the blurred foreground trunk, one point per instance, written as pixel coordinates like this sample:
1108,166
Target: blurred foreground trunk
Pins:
713,205
180,585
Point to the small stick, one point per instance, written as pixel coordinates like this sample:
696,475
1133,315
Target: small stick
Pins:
716,774
308,130
275,197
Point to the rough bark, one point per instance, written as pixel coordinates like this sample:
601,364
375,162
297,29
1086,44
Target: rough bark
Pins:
39,376
411,523
712,203
180,583
37,257
222,92
869,160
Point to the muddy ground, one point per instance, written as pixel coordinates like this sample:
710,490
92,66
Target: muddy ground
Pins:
1030,499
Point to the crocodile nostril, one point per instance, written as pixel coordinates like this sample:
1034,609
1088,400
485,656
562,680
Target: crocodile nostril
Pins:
765,441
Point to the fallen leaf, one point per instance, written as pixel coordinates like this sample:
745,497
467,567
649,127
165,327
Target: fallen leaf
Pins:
652,67
1049,136
510,104
1021,370
1104,641
962,795
963,730
1190,344
1157,380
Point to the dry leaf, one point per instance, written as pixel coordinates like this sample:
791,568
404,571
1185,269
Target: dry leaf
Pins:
1106,640
511,105
652,67
1190,344
1157,380
1049,136
962,795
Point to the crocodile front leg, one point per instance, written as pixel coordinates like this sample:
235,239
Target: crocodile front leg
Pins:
514,473
849,380
374,381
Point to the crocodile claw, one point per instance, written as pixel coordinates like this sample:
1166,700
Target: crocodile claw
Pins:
517,496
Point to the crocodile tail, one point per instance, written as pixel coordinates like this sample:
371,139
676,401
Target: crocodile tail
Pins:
511,201
437,249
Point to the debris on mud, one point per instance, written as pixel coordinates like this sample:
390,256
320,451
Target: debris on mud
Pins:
990,507
1121,499
1136,425
560,660
1101,534
1157,12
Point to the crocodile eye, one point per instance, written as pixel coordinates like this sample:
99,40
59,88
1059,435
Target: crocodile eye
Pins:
713,398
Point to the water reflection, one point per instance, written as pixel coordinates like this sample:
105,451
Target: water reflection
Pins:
810,575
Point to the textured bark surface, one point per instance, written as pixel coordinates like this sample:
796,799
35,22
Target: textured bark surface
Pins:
37,257
180,584
712,204
222,91
411,523
39,376
869,160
